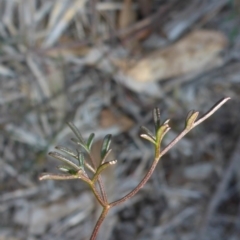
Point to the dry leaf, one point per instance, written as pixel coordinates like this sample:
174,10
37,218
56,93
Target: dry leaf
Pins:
64,21
199,51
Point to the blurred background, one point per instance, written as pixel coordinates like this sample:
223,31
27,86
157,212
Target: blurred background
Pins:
104,65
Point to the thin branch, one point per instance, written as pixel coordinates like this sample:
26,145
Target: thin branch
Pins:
81,175
99,181
96,194
212,110
139,186
99,222
167,148
50,176
89,167
185,131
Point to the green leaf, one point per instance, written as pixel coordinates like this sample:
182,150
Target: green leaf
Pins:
106,145
191,118
64,160
81,160
160,134
190,113
76,132
103,160
72,172
101,168
147,132
149,138
81,144
156,118
90,141
68,170
63,169
68,151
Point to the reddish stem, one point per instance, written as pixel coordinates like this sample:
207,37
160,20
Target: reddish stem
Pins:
99,222
139,186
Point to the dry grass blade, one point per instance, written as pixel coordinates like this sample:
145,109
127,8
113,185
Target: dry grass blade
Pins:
8,17
26,11
56,12
42,81
94,19
63,22
57,64
127,15
42,12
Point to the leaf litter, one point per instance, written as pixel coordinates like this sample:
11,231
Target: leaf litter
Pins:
47,79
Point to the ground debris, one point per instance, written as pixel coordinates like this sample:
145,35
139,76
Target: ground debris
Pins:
104,65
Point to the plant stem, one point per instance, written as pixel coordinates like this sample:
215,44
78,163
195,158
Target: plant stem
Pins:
139,186
158,155
96,194
200,120
99,222
99,180
93,188
150,172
